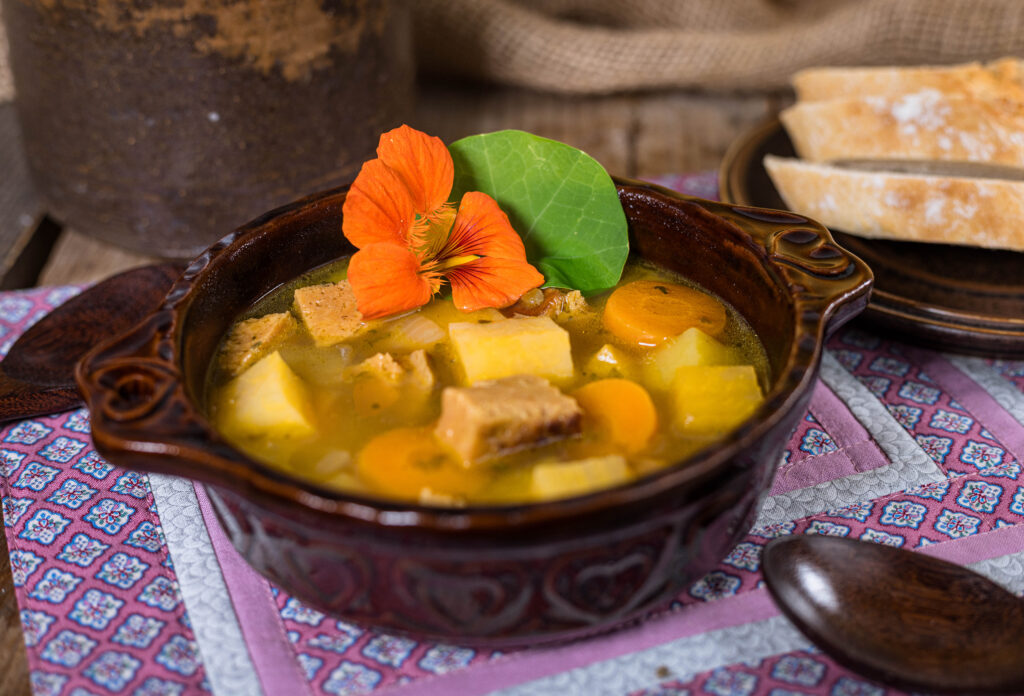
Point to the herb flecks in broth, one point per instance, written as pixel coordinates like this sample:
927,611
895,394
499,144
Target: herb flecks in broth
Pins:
541,400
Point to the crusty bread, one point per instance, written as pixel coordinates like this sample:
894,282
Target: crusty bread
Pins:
927,124
1001,78
967,210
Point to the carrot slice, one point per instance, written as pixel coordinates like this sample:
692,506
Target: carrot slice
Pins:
621,410
647,313
410,464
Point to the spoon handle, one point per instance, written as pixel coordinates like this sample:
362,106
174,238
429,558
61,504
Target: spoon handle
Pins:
23,400
38,375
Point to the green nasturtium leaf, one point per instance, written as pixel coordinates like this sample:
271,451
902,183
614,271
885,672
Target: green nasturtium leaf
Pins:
559,199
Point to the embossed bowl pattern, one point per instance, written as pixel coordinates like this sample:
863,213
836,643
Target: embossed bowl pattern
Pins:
488,576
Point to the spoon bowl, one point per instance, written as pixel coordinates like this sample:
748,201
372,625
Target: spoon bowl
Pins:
902,618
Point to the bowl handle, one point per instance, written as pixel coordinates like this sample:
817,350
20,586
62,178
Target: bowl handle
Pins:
140,415
830,285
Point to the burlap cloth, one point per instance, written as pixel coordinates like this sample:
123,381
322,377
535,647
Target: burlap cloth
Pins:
595,46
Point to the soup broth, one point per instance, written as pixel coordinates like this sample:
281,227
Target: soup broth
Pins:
554,397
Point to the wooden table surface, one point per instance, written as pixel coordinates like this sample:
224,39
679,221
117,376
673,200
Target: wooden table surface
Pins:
635,135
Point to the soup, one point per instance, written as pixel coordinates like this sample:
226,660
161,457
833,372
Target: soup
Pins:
556,396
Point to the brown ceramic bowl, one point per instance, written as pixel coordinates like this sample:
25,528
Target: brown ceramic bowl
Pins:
500,575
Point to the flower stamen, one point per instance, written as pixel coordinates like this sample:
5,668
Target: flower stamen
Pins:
453,262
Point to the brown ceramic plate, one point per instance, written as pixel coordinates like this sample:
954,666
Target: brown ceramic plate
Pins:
956,298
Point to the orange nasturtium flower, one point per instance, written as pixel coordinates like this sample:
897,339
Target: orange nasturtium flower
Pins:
410,239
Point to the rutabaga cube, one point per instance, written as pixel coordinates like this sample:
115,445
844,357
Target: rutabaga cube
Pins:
612,361
267,399
692,347
528,346
563,479
714,399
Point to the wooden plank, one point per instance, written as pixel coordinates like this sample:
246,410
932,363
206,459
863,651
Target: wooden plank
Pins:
21,211
78,258
638,135
598,125
678,133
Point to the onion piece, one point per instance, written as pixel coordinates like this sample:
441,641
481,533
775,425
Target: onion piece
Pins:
409,333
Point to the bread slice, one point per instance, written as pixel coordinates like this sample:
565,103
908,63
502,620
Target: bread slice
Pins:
927,124
941,208
1003,78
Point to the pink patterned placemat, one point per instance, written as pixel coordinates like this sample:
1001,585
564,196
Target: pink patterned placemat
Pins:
126,585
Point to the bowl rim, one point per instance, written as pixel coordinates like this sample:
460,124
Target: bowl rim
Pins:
276,488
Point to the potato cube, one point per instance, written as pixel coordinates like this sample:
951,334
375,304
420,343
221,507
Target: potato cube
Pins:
523,346
692,347
564,479
329,312
611,361
714,399
254,339
267,399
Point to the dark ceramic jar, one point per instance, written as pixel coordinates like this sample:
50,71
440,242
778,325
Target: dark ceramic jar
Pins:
502,575
157,125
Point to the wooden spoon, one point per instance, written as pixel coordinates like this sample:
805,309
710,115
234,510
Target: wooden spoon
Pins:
902,618
37,376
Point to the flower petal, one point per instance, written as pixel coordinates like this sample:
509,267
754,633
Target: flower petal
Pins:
491,282
482,229
386,280
378,207
423,163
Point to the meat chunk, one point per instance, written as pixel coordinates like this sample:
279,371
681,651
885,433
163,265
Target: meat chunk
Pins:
253,339
417,370
329,311
381,381
574,303
376,383
504,415
549,302
381,366
537,303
